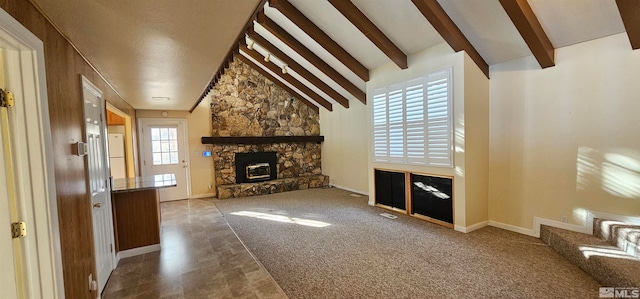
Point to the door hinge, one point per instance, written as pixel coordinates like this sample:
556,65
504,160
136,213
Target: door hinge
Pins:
111,247
18,230
6,98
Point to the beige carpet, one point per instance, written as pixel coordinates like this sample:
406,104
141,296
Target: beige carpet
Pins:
323,243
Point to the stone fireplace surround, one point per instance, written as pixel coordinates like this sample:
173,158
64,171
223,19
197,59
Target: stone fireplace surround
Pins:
298,167
246,105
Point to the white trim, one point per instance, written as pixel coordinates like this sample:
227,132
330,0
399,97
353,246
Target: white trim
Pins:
49,259
587,228
537,222
512,228
472,227
137,251
350,190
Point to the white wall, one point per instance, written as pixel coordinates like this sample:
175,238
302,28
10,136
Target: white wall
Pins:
476,139
566,138
201,171
431,60
345,147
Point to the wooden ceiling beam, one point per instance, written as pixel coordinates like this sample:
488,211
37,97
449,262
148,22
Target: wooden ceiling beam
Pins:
276,81
295,66
371,31
441,22
531,31
630,14
300,20
287,77
299,48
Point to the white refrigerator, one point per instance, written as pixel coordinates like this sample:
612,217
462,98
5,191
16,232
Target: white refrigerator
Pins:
116,156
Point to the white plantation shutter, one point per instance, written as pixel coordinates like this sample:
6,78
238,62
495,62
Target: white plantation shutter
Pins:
439,120
412,121
380,125
396,123
415,121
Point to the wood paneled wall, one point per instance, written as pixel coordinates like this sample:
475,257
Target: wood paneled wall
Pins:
64,65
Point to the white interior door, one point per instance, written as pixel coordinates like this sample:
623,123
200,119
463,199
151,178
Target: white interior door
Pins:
99,190
12,284
32,264
165,151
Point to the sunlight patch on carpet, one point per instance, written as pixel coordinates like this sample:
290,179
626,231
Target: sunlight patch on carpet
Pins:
589,251
280,218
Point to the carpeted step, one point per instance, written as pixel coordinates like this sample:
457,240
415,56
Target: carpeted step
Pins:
622,235
607,264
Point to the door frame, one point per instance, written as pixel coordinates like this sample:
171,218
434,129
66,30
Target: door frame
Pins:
43,257
129,152
169,121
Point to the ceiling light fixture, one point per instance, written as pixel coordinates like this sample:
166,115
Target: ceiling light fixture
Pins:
267,58
284,69
250,45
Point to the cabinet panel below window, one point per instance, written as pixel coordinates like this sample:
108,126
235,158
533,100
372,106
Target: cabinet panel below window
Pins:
432,197
390,189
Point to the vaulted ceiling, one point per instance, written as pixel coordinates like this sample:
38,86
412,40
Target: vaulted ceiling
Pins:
148,49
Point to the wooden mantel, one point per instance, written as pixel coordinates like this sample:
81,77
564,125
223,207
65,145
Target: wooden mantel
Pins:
261,140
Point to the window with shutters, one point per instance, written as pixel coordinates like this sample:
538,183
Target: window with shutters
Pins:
412,121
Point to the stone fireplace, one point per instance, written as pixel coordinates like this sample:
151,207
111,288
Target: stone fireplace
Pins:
251,116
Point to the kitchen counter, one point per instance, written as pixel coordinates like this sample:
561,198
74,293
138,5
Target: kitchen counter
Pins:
151,182
136,213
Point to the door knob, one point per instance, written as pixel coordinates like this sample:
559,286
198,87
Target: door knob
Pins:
97,205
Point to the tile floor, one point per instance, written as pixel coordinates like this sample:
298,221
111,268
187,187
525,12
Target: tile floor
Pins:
201,257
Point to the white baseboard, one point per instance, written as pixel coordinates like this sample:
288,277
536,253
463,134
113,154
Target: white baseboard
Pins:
470,228
137,251
537,222
206,195
587,228
512,228
351,190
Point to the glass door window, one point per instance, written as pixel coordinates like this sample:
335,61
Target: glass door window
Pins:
164,146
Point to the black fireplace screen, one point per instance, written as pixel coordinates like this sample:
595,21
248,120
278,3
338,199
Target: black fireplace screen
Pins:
256,167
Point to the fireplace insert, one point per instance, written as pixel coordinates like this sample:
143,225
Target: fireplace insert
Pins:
257,171
256,167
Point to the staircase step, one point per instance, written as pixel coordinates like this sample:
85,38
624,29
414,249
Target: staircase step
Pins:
622,235
606,263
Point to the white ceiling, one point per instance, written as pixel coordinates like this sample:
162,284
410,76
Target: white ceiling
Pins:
570,22
163,48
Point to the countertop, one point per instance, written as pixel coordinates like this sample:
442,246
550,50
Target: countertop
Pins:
144,183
